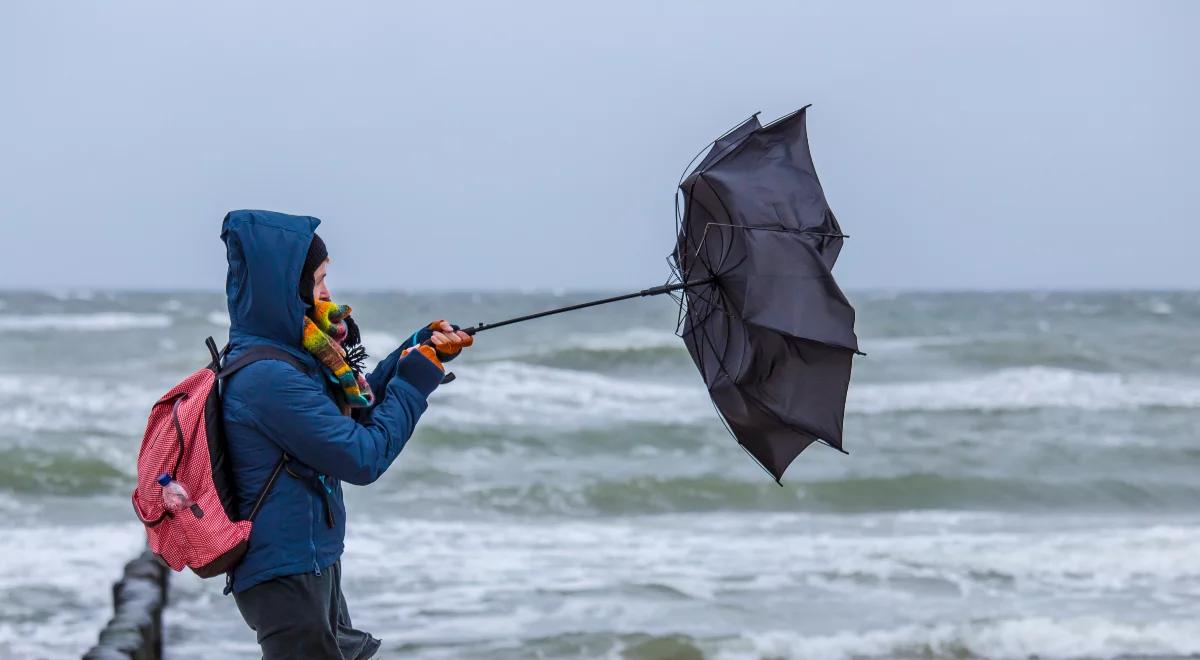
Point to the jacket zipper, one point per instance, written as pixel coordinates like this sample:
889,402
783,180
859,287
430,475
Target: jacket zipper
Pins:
312,544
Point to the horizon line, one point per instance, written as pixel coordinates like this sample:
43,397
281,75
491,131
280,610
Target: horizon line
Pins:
563,291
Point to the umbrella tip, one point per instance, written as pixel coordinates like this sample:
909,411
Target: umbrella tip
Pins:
837,446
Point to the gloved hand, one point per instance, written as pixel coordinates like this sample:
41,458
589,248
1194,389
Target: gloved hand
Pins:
427,352
446,338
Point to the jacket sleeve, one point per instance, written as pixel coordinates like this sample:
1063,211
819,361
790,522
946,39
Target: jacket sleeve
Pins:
378,378
382,373
292,410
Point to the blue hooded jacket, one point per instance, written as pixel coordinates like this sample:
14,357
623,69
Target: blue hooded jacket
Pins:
270,407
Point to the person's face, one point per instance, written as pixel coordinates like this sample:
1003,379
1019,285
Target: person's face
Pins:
320,291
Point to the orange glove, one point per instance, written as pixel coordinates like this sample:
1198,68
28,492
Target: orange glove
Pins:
427,352
448,339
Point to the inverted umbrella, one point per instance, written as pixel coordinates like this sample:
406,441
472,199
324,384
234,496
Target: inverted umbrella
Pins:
760,312
766,324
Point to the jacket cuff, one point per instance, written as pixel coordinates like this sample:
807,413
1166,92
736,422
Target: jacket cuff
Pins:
421,336
419,372
417,337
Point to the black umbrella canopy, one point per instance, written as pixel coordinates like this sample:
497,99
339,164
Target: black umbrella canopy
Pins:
760,312
765,322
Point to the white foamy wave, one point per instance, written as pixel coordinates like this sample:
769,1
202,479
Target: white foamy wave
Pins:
1159,307
71,294
66,573
1024,389
85,322
1033,637
623,340
885,563
379,343
31,403
615,341
1063,562
913,343
512,393
218,318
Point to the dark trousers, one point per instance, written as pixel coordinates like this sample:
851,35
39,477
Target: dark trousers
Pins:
304,616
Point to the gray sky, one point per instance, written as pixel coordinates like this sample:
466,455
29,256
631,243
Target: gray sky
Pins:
537,145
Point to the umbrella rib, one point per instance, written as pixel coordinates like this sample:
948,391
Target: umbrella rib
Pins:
688,202
713,306
705,338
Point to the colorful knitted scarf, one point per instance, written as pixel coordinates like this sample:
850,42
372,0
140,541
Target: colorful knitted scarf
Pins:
327,329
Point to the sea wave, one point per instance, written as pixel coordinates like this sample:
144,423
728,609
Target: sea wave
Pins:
1047,638
876,346
910,492
59,585
102,321
515,588
515,393
33,403
642,569
628,339
43,472
378,345
1029,637
1026,388
601,351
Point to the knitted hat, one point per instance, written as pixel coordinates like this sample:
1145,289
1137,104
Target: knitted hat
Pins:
316,255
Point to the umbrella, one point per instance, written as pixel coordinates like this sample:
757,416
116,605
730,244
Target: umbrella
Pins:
766,324
760,312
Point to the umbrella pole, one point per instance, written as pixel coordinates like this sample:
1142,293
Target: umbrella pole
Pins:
653,291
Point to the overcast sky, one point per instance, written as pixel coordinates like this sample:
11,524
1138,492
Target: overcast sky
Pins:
536,145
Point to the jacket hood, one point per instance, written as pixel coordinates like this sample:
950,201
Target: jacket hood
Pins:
266,252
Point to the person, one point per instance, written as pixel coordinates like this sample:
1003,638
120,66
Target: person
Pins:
330,425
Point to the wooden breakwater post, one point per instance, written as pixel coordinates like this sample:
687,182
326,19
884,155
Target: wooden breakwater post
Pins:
136,628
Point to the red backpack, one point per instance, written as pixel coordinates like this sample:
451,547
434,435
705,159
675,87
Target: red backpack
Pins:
184,439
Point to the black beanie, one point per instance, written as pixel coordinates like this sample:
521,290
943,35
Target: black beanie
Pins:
316,254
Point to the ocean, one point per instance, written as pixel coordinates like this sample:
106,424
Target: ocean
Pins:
1022,481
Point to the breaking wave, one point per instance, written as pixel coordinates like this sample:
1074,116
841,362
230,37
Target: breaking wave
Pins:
910,492
104,321
1095,638
515,393
1026,388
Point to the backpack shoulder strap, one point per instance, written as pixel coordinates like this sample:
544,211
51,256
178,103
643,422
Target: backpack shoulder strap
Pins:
256,353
